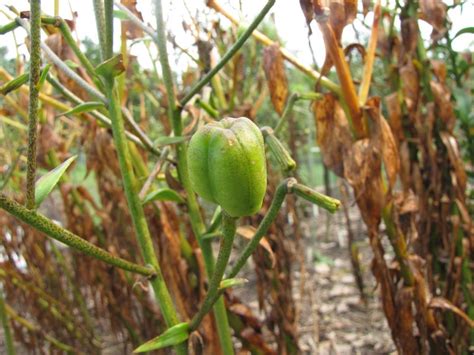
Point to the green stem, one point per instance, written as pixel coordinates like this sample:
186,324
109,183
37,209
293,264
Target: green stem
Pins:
282,190
100,23
195,217
328,203
99,116
228,231
11,26
286,113
290,104
109,28
230,53
136,210
54,231
35,65
66,32
6,326
211,111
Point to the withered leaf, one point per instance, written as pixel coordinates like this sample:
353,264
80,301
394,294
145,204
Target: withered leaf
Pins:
362,166
443,303
308,12
332,132
434,12
248,232
409,80
131,30
274,68
341,13
384,140
444,107
456,160
394,110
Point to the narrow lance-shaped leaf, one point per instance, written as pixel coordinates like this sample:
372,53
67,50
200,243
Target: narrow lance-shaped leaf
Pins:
82,108
227,283
48,181
163,195
169,140
172,336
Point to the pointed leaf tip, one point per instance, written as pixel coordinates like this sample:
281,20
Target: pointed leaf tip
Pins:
172,336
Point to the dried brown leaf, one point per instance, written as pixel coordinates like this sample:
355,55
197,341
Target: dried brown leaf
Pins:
395,115
362,166
332,132
308,12
384,140
455,158
274,68
248,232
131,30
443,303
410,84
434,12
444,107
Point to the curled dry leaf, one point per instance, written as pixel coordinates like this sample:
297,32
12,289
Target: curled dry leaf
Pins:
444,108
248,232
434,12
341,13
409,31
274,68
455,158
410,85
384,140
439,70
362,166
395,116
443,303
308,12
332,132
131,30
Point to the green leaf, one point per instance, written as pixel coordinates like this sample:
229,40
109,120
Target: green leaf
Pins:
164,194
169,140
71,64
44,74
48,181
14,83
172,336
121,15
84,107
463,31
111,67
232,283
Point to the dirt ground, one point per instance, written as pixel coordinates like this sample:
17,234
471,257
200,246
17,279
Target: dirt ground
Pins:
332,317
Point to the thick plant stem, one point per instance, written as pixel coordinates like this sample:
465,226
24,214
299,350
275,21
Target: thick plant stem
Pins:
195,217
282,190
109,28
136,210
230,53
35,65
54,231
6,326
228,232
100,23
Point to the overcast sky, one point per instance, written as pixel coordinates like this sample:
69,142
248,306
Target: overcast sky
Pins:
287,14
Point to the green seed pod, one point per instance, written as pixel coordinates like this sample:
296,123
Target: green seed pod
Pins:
227,165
